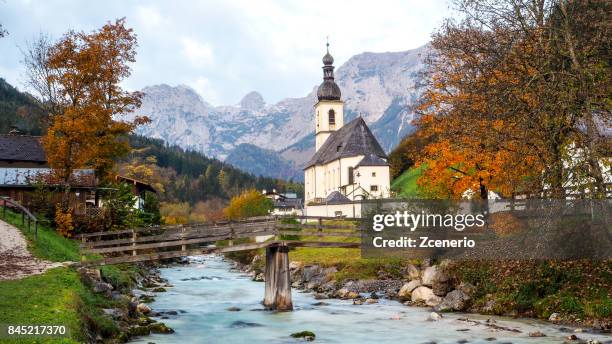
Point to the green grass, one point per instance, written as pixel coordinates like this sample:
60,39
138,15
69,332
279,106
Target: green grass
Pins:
349,263
50,298
406,184
58,296
325,256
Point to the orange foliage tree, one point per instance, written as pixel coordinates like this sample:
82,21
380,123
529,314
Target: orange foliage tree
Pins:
502,106
79,79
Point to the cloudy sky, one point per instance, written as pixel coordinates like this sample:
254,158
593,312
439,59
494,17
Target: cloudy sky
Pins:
224,49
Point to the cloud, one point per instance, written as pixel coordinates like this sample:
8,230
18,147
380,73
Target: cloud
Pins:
205,89
199,54
149,16
226,48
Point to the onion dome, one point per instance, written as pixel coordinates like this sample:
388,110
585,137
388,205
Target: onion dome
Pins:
328,60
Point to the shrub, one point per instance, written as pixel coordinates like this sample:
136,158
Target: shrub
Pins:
248,204
63,221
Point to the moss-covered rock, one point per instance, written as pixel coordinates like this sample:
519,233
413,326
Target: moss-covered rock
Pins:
306,335
160,328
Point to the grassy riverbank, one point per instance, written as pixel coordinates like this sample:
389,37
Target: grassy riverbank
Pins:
58,297
577,290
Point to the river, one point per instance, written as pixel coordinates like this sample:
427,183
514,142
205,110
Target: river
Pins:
203,291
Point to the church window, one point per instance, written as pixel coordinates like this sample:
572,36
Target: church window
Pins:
373,174
351,177
332,117
373,187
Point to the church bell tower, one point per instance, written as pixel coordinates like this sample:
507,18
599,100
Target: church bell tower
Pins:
329,110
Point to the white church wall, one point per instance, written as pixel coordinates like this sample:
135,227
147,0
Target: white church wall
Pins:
342,209
377,176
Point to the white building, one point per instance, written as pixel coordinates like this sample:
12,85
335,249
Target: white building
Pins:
349,164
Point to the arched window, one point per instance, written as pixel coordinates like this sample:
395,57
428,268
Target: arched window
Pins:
332,117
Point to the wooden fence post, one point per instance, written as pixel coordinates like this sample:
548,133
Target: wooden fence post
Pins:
231,241
133,241
83,240
183,247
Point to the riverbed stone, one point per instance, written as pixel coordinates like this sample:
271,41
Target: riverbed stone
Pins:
411,272
310,271
536,334
406,290
428,275
308,336
555,317
422,294
456,300
143,308
345,293
160,328
433,316
102,288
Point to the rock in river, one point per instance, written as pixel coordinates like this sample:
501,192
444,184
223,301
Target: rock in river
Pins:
406,290
456,300
306,335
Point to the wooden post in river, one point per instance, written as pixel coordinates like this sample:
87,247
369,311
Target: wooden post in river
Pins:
278,284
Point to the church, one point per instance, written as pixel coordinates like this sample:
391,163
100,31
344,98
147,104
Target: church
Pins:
348,165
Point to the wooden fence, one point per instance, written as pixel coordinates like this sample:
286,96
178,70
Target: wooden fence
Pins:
153,243
25,213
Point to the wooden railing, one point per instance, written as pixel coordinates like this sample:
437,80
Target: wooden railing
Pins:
152,243
25,213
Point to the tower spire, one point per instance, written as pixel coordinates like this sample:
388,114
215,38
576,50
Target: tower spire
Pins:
328,89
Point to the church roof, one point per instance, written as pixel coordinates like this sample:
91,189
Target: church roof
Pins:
372,160
355,138
336,197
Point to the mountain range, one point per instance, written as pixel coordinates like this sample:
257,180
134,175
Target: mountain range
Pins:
277,139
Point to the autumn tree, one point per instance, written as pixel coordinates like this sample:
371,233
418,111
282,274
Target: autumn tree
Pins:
248,204
78,78
504,107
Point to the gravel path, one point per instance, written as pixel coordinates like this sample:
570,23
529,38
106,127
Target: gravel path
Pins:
15,260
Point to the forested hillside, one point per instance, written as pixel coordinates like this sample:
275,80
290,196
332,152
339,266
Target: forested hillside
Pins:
189,176
20,110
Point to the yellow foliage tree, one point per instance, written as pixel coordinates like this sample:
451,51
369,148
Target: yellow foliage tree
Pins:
248,204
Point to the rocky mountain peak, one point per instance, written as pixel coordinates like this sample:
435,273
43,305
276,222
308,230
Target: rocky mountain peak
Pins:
380,87
252,101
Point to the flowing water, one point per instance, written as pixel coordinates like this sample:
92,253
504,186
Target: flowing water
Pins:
204,290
